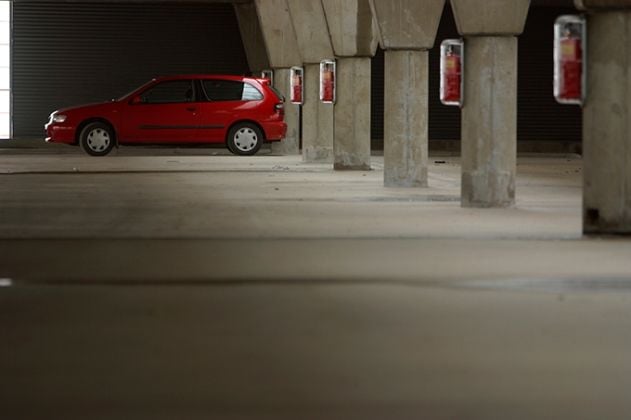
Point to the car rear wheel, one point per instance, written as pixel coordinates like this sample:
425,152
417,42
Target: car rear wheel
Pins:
245,139
97,139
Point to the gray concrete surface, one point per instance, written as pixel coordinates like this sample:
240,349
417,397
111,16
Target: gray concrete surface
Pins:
317,128
607,204
291,143
252,36
489,122
217,287
406,118
352,28
314,42
407,24
490,17
278,33
351,126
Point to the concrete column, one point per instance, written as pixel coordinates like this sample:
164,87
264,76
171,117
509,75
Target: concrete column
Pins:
352,114
489,112
282,48
353,37
252,37
314,44
406,122
489,122
407,30
291,144
607,121
317,120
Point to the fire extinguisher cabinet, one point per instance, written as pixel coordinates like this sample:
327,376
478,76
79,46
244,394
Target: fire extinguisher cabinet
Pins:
327,81
296,85
569,59
451,72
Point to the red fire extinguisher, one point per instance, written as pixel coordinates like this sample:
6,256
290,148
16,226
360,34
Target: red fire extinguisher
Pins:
451,52
452,77
297,89
327,81
571,67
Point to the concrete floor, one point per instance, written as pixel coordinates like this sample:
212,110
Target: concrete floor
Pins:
215,287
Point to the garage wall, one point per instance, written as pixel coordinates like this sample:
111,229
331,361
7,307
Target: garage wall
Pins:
67,54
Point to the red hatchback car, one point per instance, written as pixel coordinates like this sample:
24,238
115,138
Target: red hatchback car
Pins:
239,111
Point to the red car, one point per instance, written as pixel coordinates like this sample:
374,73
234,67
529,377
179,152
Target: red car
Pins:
239,111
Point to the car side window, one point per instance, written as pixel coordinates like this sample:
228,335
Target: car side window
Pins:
229,90
172,91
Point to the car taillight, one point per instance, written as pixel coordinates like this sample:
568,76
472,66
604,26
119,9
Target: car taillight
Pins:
280,108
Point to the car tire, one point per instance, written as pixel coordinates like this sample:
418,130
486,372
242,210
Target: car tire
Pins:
97,139
245,139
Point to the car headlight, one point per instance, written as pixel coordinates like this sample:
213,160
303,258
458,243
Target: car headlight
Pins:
59,118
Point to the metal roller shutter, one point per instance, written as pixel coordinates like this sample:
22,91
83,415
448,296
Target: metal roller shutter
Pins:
69,53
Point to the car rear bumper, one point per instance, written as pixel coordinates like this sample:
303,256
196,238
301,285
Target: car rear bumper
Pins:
275,131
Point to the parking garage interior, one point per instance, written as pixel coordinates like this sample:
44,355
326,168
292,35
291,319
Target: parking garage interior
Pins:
184,282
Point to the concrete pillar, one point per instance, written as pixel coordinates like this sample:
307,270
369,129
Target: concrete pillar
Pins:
317,121
405,120
314,44
252,37
407,30
489,122
489,112
352,114
607,119
353,37
291,144
282,49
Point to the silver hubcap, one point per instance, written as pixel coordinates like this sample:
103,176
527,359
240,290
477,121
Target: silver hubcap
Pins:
98,140
245,139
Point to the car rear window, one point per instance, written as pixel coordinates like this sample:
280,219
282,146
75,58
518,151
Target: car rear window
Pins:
228,90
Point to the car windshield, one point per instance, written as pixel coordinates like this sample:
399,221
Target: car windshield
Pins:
136,89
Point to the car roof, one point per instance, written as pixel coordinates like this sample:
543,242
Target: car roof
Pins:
233,77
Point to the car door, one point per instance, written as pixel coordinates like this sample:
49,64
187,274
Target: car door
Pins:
226,101
163,113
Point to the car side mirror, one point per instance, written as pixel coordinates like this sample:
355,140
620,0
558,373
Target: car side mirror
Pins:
136,100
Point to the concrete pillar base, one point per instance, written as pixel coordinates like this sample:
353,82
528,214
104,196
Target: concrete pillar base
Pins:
489,122
607,125
406,122
352,114
317,118
291,144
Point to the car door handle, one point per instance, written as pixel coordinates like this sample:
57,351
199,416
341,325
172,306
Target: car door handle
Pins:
191,109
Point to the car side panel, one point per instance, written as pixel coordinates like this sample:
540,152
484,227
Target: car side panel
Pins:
215,118
159,123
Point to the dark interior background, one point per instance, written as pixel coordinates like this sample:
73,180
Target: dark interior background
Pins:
69,53
66,54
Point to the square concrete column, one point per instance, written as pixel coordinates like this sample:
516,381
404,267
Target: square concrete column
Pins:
291,143
252,37
607,124
352,114
353,37
406,121
489,122
489,112
407,30
282,49
314,43
317,118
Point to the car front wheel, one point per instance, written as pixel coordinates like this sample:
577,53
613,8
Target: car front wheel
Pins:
245,139
97,139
